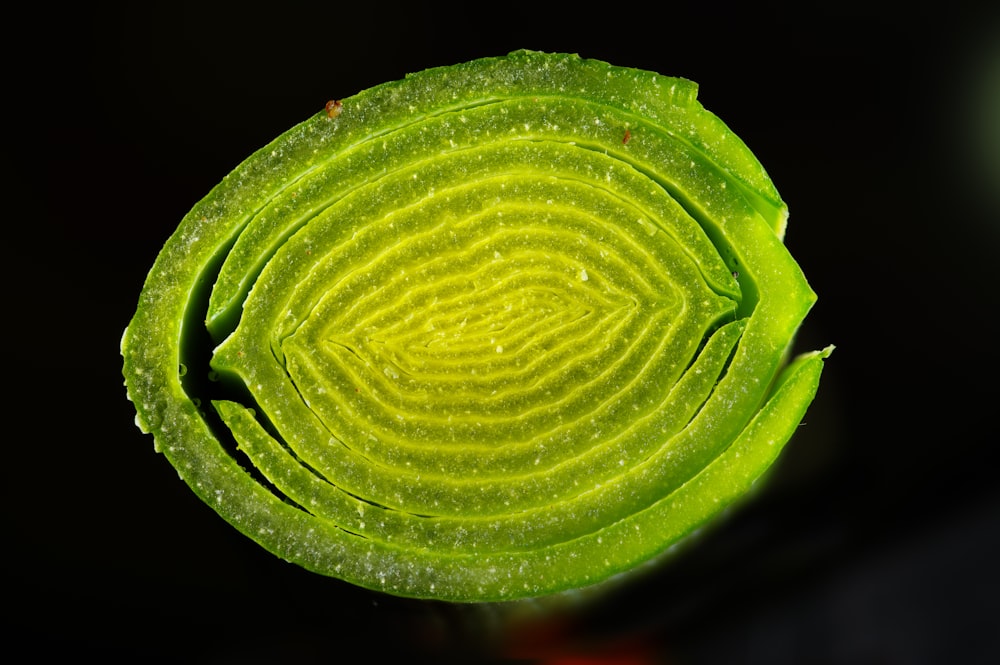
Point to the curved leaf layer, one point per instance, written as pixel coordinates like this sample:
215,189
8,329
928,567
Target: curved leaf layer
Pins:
495,330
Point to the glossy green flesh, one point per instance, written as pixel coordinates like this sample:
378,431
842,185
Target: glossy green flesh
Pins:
481,331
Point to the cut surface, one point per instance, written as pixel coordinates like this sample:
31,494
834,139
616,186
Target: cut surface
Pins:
495,330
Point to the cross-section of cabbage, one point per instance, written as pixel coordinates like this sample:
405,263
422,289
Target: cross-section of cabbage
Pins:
495,330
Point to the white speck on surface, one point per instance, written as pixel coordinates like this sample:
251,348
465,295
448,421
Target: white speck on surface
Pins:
499,349
583,275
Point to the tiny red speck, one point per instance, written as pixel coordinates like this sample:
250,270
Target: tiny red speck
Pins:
627,137
333,108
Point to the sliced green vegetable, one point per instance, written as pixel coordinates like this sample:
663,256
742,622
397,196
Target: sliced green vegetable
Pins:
496,330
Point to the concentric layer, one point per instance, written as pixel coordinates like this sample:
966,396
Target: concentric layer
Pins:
495,330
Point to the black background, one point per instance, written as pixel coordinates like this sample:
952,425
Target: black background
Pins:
876,540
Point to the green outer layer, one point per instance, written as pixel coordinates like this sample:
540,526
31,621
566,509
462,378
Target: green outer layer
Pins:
734,437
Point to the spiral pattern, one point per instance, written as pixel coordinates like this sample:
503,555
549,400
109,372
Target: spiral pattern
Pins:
496,330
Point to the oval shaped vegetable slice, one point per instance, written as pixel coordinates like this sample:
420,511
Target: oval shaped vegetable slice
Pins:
496,330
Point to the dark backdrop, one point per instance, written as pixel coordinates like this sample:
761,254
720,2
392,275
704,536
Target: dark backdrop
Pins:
875,542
